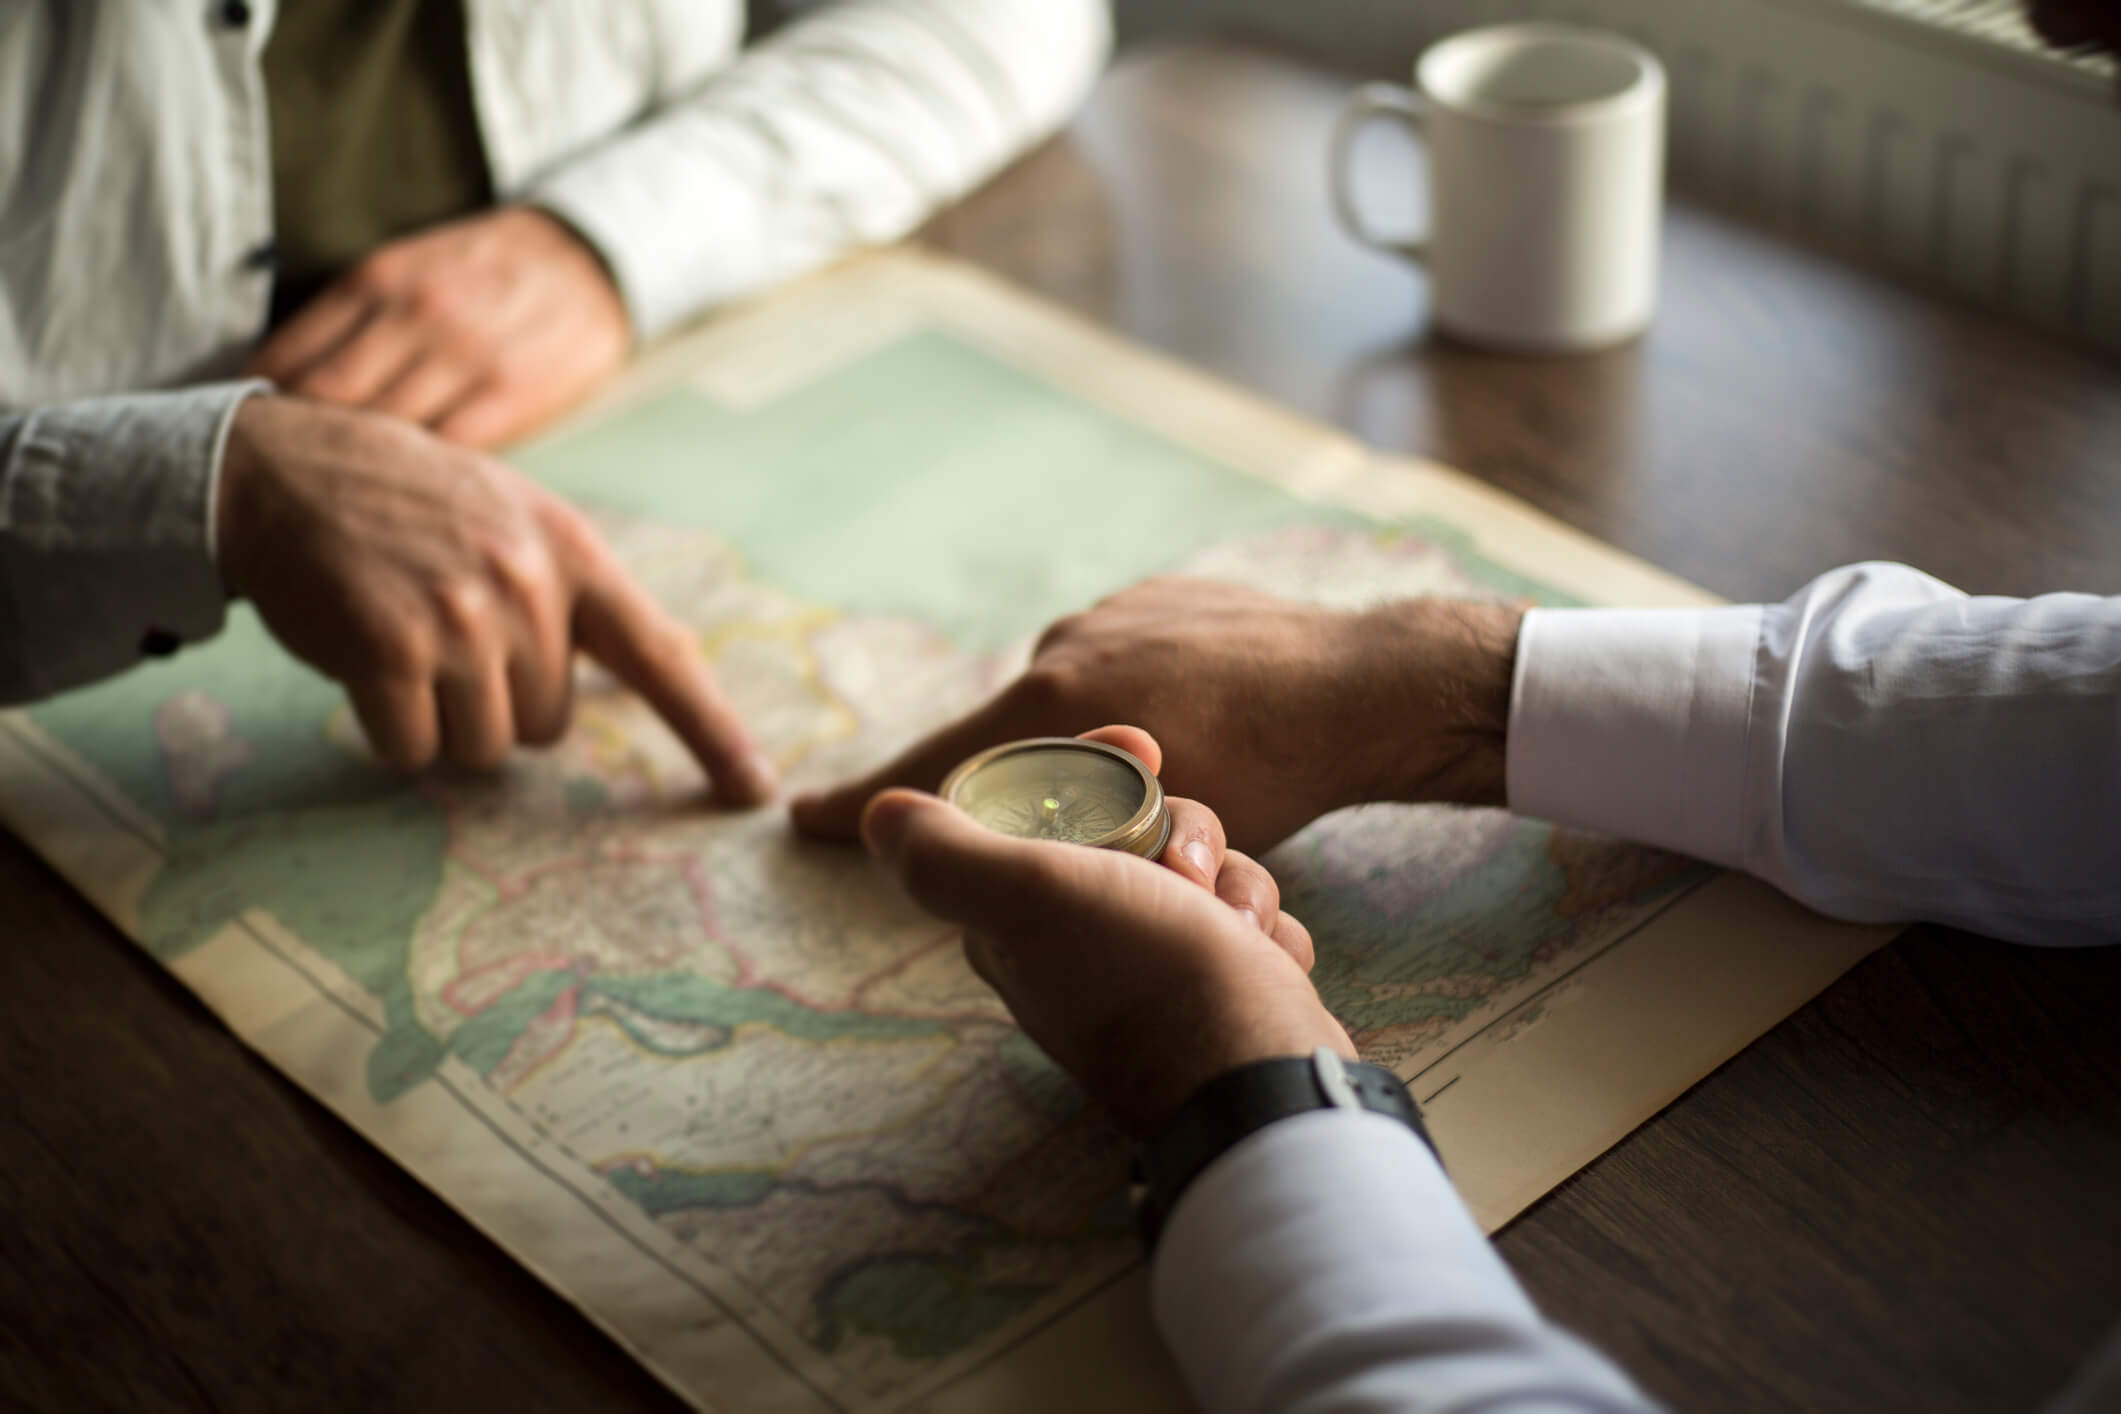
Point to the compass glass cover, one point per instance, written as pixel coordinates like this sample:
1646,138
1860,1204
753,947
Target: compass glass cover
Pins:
1053,793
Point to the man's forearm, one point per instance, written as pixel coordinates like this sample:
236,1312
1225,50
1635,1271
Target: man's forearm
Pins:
1428,682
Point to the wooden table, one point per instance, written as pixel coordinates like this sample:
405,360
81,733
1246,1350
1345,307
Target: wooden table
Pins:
1903,1197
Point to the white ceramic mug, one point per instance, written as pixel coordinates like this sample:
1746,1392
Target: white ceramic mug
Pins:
1545,149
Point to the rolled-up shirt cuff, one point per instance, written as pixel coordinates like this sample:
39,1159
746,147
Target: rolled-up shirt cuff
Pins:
107,509
1633,722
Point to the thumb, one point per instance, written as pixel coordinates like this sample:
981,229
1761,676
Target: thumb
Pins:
949,864
888,818
1033,892
1135,742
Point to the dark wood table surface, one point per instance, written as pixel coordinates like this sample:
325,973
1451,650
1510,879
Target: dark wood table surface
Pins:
1903,1197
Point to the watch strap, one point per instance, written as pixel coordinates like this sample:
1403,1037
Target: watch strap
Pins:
1239,1103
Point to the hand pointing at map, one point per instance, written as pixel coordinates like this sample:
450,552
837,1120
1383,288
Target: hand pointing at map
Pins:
1272,712
448,593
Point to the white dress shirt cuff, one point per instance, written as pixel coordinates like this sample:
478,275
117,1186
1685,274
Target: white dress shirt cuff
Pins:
1633,722
1326,1262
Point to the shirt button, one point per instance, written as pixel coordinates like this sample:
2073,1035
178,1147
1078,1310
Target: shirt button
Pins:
263,256
235,13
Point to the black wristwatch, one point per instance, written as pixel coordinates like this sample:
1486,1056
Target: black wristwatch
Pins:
1246,1100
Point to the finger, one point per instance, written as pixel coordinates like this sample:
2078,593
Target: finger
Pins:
1246,886
1195,849
966,874
316,329
541,667
1135,742
1295,940
359,368
837,813
985,957
478,724
398,718
489,415
425,391
541,694
1032,892
617,623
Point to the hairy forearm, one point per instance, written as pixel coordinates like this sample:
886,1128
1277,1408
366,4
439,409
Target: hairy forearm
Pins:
1433,680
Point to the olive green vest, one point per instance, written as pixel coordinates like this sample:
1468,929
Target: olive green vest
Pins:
373,132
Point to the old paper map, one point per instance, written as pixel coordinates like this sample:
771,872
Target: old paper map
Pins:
713,1083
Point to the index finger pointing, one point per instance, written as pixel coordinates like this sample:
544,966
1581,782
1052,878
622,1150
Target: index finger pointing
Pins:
616,623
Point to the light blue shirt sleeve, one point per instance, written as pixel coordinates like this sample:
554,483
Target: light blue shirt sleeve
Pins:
1881,746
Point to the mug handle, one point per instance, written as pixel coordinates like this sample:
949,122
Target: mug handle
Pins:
1370,102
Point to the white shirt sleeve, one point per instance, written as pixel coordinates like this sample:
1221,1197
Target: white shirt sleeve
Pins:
1881,747
844,129
1325,1265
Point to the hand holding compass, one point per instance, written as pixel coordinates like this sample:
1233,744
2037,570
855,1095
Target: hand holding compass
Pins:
1274,712
1137,979
1100,790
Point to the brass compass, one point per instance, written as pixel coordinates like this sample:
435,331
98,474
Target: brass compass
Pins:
1062,788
